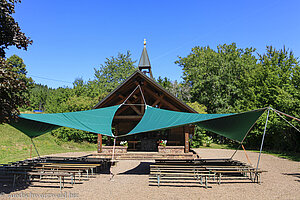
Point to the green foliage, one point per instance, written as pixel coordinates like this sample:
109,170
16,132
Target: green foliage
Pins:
217,78
13,92
83,95
276,84
38,97
15,145
114,71
11,34
66,100
179,90
199,108
68,134
198,137
13,81
232,79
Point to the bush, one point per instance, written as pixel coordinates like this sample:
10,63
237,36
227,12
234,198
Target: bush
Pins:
69,134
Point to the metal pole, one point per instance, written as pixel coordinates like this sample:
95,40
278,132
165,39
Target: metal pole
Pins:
262,142
113,153
35,148
112,159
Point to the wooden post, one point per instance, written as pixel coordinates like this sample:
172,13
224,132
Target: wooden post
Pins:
186,139
99,150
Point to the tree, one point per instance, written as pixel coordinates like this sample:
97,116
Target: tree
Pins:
38,96
11,34
179,90
276,84
12,90
234,80
19,67
218,79
114,71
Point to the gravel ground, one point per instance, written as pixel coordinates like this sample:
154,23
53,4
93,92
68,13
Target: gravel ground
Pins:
282,181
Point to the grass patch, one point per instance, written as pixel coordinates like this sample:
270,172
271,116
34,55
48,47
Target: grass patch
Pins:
286,155
14,145
216,146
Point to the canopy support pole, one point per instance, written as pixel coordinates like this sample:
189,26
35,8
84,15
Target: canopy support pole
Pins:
35,148
235,151
246,155
112,159
262,142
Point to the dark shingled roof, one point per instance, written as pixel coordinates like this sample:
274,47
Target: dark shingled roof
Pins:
144,60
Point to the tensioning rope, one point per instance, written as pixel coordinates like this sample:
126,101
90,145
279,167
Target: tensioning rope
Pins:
277,112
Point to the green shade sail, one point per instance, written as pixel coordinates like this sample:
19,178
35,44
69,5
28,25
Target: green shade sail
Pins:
96,121
233,126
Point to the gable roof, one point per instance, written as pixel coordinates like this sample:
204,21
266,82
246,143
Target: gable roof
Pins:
135,79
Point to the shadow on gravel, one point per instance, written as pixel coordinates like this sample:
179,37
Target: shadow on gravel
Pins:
142,169
297,175
7,187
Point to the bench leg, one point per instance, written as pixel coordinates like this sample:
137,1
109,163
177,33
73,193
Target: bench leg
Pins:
158,180
201,179
220,178
60,183
205,182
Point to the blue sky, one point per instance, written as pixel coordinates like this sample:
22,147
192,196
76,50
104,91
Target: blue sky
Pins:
72,37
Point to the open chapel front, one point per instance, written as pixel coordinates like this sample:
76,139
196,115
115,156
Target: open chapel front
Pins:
136,91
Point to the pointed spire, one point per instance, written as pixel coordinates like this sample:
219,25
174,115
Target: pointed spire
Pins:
144,64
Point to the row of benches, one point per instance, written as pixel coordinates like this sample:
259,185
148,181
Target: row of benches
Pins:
200,171
62,168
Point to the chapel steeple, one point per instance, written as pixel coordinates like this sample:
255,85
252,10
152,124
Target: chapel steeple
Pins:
144,64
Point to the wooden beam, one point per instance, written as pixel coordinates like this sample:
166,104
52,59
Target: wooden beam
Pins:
99,149
161,99
156,102
132,106
186,139
132,117
123,108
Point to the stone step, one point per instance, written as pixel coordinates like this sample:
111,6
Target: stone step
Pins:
144,155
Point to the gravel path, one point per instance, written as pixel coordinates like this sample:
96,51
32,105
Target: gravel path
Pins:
282,181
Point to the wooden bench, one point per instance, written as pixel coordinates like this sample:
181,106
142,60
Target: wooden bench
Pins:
67,167
257,174
173,172
182,176
30,175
